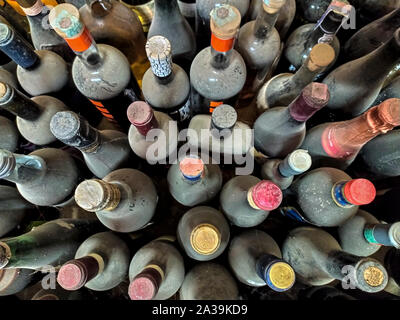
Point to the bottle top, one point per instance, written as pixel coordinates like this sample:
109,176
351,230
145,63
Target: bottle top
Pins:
4,91
389,112
72,276
205,239
97,195
281,276
394,234
273,6
158,49
265,195
146,284
321,56
192,168
141,115
5,33
225,21
359,191
31,7
65,125
374,276
7,163
223,117
300,160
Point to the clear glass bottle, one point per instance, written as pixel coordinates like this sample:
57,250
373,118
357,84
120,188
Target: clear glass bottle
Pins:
318,260
209,281
282,172
50,244
9,135
282,89
369,72
143,120
337,144
144,9
260,45
103,150
218,72
166,86
45,177
326,197
256,261
33,115
100,72
156,271
363,234
100,263
281,130
124,201
191,182
203,233
171,24
39,71
112,23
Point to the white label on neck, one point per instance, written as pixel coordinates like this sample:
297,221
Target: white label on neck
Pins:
187,9
161,67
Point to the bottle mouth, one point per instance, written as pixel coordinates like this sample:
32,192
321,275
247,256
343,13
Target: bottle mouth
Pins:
142,288
359,191
7,163
265,195
71,276
5,255
64,125
5,34
370,276
205,239
192,168
394,235
280,276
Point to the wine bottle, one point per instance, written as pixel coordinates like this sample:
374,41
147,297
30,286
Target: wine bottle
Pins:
14,18
282,172
39,71
203,233
220,133
100,264
166,86
218,73
100,72
390,259
50,244
260,45
304,38
8,68
192,182
247,201
156,271
209,281
45,177
204,8
7,76
144,10
337,144
369,72
8,134
103,151
312,10
188,10
143,120
256,261
13,209
112,23
374,9
363,234
33,115
392,90
171,24
318,259
372,36
326,197
43,37
14,280
281,130
124,201
380,155
283,88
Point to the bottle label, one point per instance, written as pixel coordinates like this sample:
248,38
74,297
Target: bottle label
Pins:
161,67
221,45
214,104
82,42
188,10
104,111
294,214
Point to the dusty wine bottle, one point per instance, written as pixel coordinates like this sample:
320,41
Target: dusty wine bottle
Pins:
326,197
209,281
282,172
282,89
247,201
100,72
50,244
363,234
156,271
103,150
337,144
392,90
45,177
256,261
124,201
281,130
14,280
318,259
218,73
100,264
203,233
9,135
166,86
39,71
141,137
33,115
312,10
192,182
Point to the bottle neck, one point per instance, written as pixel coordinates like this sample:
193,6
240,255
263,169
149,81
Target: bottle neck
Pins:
34,10
337,261
99,8
265,22
18,104
327,27
383,234
301,109
21,169
167,8
146,284
304,75
221,51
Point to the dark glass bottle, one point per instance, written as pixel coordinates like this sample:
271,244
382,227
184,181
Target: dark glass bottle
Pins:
9,134
312,10
14,280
